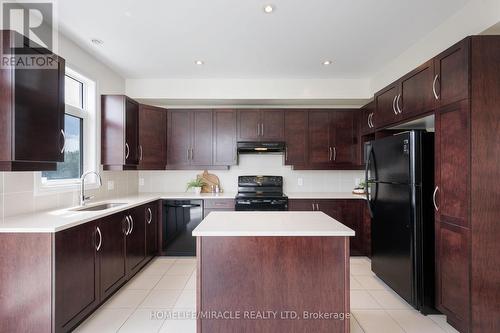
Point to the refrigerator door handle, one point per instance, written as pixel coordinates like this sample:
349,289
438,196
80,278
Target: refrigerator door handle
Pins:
434,198
367,168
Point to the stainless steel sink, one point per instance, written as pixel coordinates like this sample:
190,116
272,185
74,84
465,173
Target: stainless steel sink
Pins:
99,207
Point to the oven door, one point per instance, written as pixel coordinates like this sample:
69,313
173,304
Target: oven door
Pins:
261,205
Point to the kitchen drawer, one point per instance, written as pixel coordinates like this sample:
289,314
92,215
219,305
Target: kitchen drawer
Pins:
218,204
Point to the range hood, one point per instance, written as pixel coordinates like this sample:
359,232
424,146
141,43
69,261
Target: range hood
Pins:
260,147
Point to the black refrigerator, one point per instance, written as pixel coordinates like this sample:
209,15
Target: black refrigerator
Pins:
400,178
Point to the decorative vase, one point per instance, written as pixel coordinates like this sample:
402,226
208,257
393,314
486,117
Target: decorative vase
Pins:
197,190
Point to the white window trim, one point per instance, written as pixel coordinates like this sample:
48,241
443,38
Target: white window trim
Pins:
89,114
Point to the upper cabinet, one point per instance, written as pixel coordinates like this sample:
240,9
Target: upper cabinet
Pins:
451,79
367,118
152,138
416,96
296,133
225,131
261,125
385,103
32,134
119,133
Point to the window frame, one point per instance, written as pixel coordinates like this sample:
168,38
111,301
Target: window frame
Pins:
90,142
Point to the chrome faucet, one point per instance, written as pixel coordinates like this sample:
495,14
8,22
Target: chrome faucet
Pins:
83,198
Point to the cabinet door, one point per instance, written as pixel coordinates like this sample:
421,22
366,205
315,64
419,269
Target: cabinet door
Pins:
452,163
332,208
39,114
225,133
367,118
131,132
179,137
301,205
352,215
111,254
136,240
249,125
385,104
320,150
152,229
76,274
416,91
343,137
272,126
453,284
296,137
201,148
152,138
452,70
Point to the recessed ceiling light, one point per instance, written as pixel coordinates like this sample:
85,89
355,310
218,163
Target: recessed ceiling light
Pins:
268,9
97,41
327,62
199,62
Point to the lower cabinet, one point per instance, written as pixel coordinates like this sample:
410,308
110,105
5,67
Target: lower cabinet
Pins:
217,205
350,212
136,240
152,245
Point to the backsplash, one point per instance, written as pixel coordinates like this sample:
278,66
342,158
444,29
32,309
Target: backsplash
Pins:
265,164
17,192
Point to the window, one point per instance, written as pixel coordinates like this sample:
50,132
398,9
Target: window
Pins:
80,153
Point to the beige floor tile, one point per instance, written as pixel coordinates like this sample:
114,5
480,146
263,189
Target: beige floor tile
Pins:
161,299
127,298
143,281
370,282
159,266
355,327
143,321
187,300
377,321
181,269
191,284
441,321
178,326
360,260
361,269
105,320
413,322
354,284
361,299
187,260
172,282
389,300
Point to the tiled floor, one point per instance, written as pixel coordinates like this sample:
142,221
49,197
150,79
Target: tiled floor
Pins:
167,285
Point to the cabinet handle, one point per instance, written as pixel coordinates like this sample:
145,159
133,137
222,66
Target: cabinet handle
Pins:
140,152
330,153
317,207
368,120
371,120
434,198
394,105
150,215
312,206
286,153
192,154
98,246
262,126
127,150
258,129
132,222
334,153
64,141
125,228
397,104
436,96
187,154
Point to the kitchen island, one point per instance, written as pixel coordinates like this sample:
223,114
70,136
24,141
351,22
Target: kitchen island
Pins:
272,272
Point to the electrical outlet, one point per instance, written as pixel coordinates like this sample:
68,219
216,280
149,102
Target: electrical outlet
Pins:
111,185
300,181
141,181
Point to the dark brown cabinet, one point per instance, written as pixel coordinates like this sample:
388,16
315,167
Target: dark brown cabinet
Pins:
217,205
119,132
225,132
152,138
367,118
347,211
320,151
151,211
296,133
261,125
111,253
32,134
416,92
344,138
76,278
451,80
136,240
385,101
189,139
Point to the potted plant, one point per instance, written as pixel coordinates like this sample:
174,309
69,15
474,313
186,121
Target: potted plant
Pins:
195,184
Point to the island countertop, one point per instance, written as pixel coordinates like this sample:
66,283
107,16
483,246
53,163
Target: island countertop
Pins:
271,224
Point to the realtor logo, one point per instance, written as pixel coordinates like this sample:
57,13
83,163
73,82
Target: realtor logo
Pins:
30,29
33,20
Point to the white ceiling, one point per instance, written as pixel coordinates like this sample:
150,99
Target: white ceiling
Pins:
235,39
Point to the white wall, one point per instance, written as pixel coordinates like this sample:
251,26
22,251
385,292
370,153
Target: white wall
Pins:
475,17
17,192
265,164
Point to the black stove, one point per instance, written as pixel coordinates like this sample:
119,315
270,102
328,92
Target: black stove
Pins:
261,193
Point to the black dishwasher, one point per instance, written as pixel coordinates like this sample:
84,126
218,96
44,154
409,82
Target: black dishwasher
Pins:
180,217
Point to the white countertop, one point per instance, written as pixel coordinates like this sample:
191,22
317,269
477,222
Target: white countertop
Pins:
324,195
57,220
271,224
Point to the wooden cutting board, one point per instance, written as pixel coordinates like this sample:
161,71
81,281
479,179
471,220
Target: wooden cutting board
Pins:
210,180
